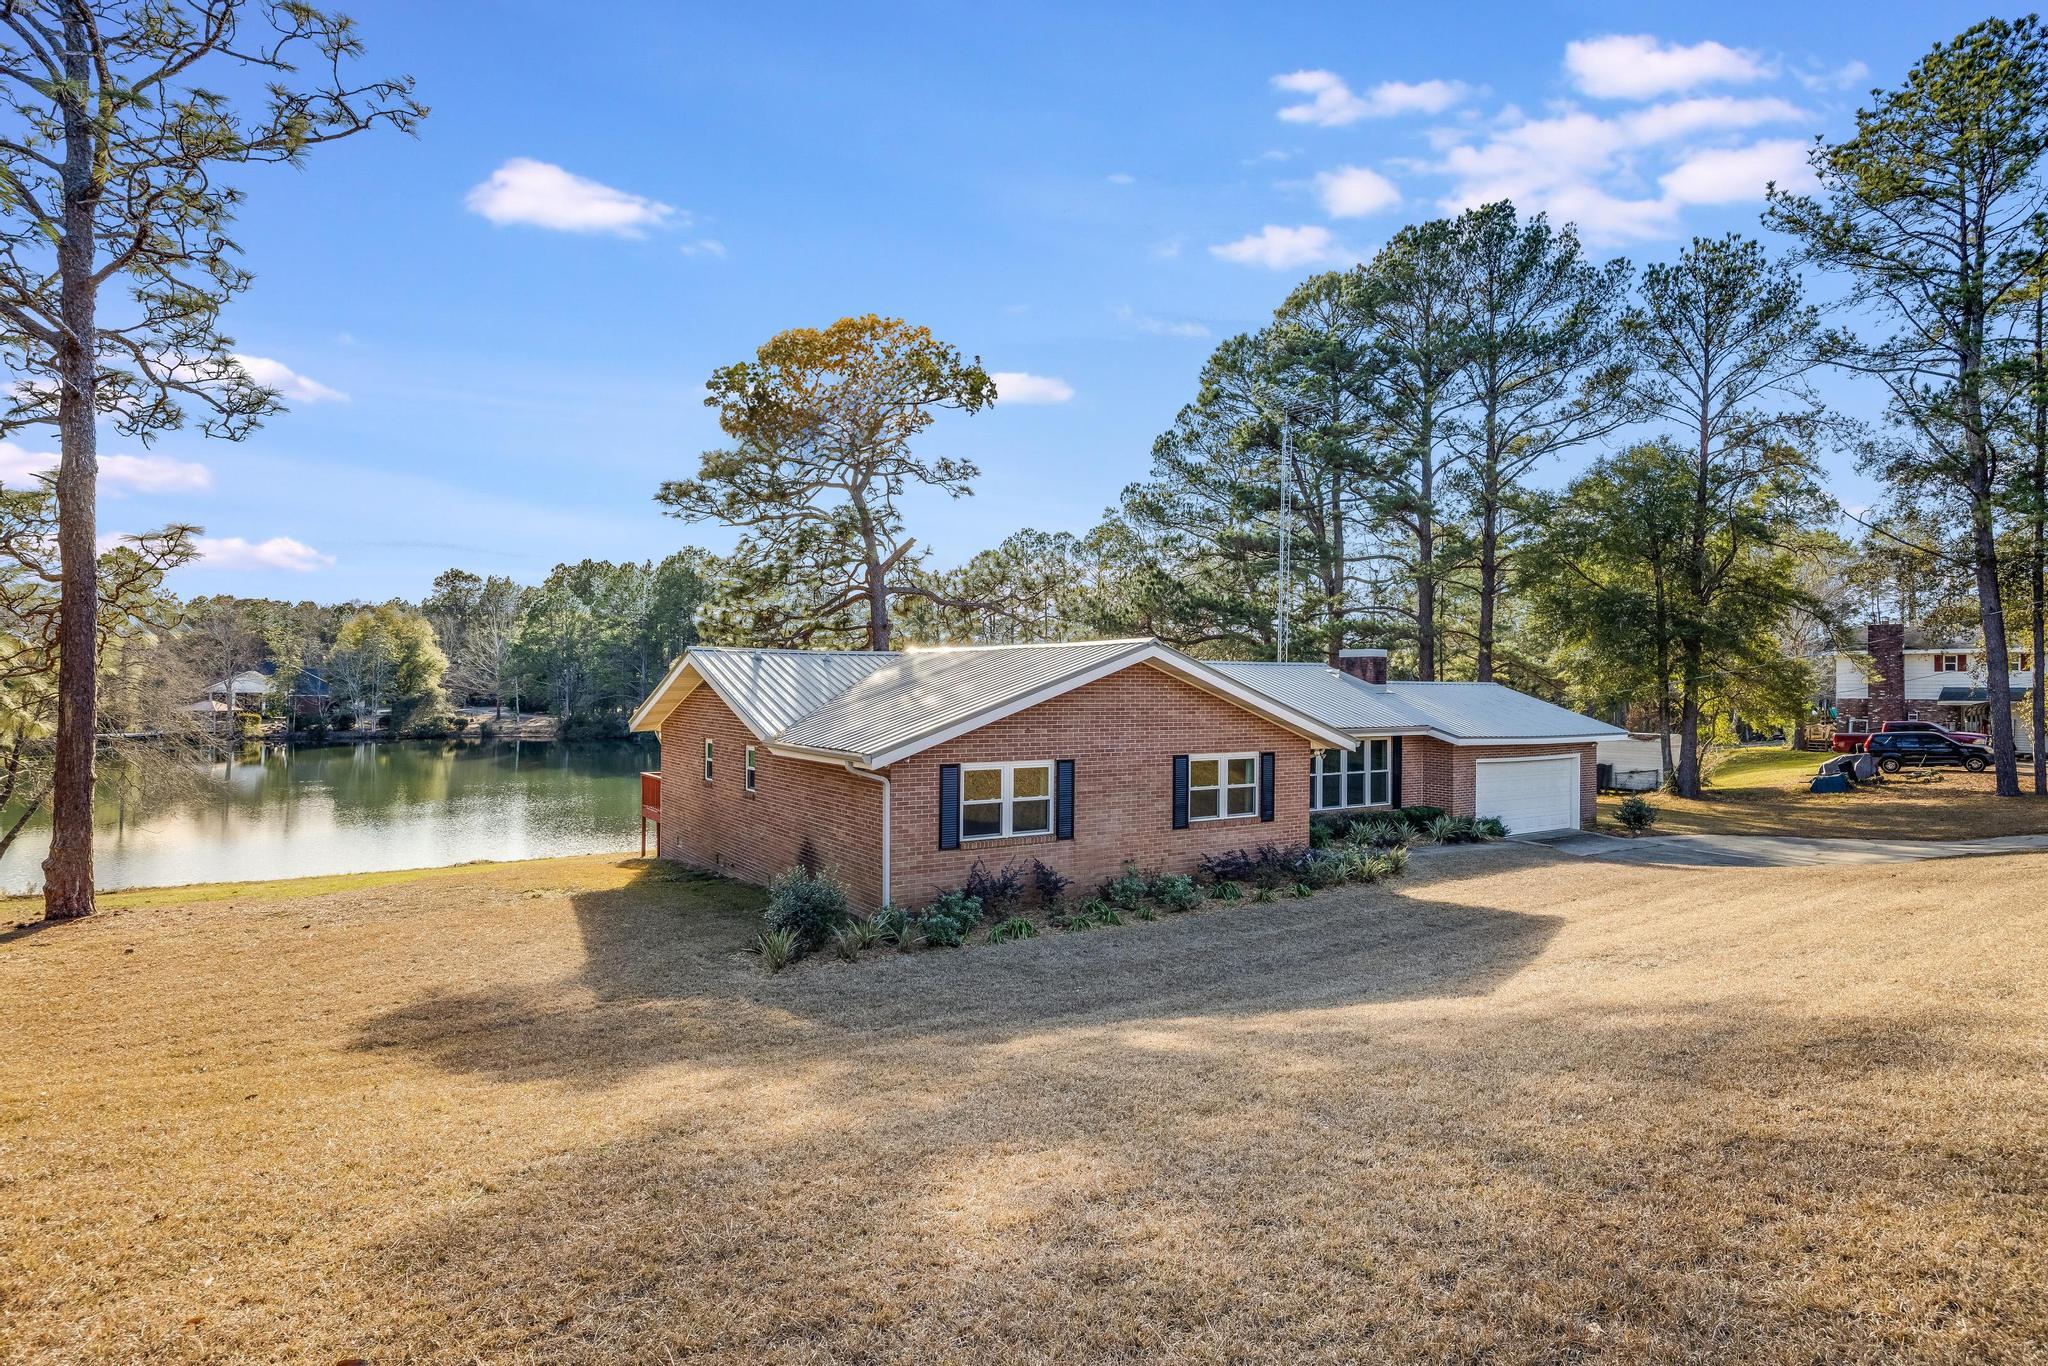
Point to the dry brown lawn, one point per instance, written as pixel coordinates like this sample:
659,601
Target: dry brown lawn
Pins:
1764,792
1510,1108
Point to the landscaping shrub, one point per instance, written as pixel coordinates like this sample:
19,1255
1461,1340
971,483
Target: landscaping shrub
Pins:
1394,860
891,924
777,948
808,905
1382,832
1268,865
1636,815
1454,830
1326,827
1050,884
1491,828
1127,889
1420,818
1016,927
997,891
944,924
1177,893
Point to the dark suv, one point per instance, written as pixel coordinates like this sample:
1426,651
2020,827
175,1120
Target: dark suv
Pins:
1897,749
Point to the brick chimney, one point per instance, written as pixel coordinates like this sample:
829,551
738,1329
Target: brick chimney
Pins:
1887,649
1367,665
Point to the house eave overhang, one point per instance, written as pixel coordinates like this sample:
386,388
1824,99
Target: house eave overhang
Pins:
682,679
1163,658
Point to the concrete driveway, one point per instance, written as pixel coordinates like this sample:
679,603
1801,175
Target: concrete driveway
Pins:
1772,851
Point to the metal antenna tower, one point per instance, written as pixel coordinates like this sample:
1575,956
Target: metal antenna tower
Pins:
1284,604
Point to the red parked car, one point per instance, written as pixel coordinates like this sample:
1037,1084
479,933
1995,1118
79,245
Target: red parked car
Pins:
1853,741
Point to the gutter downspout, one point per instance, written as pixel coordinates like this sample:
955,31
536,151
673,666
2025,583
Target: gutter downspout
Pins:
884,781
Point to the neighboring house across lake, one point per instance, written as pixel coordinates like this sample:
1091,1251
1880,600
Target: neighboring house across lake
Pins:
251,689
895,772
1900,674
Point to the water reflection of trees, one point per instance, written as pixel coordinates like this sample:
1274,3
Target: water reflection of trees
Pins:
368,782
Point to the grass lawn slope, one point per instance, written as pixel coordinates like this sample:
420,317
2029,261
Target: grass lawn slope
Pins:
1507,1108
1764,792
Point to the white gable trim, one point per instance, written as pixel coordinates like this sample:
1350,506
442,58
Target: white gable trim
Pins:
1166,660
683,678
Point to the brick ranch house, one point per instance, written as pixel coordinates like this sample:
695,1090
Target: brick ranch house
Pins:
895,772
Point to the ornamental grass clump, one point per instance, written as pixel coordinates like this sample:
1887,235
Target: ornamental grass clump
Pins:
1016,927
777,949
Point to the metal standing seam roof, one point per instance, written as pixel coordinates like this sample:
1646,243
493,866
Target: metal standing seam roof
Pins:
1331,696
1463,711
1488,711
922,692
773,689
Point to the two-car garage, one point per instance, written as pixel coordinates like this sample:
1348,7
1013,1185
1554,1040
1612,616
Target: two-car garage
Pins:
1529,795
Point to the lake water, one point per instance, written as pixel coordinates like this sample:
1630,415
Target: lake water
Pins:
304,811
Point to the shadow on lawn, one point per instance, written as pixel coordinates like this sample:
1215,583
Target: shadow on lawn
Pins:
666,980
1449,1189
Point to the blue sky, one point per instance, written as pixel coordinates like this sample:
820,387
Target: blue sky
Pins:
494,336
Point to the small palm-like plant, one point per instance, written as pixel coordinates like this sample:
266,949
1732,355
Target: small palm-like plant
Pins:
1016,927
777,948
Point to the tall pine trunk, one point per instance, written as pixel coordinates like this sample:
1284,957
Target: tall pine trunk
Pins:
68,870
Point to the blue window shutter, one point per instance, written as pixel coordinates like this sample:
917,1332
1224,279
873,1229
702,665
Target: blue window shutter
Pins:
1180,791
949,806
1394,772
1063,799
1266,786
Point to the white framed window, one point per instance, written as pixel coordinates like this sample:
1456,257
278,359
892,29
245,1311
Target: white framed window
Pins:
707,759
750,768
1951,664
1357,777
1221,786
1000,800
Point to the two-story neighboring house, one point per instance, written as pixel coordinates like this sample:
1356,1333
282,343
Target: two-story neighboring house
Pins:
1900,675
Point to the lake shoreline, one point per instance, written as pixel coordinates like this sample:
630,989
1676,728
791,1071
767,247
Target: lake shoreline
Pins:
287,888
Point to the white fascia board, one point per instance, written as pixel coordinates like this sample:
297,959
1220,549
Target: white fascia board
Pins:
659,704
1477,741
644,717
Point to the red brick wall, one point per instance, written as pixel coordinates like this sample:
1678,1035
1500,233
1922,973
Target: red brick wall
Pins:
1436,774
799,811
1122,733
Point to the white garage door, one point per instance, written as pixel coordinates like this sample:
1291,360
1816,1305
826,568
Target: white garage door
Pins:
1529,795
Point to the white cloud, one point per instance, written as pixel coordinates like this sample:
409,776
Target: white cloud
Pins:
1636,66
1278,248
1355,191
277,553
544,195
1019,386
118,473
1159,327
703,246
1167,250
1590,169
1732,175
1122,178
1332,103
275,374
1848,74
